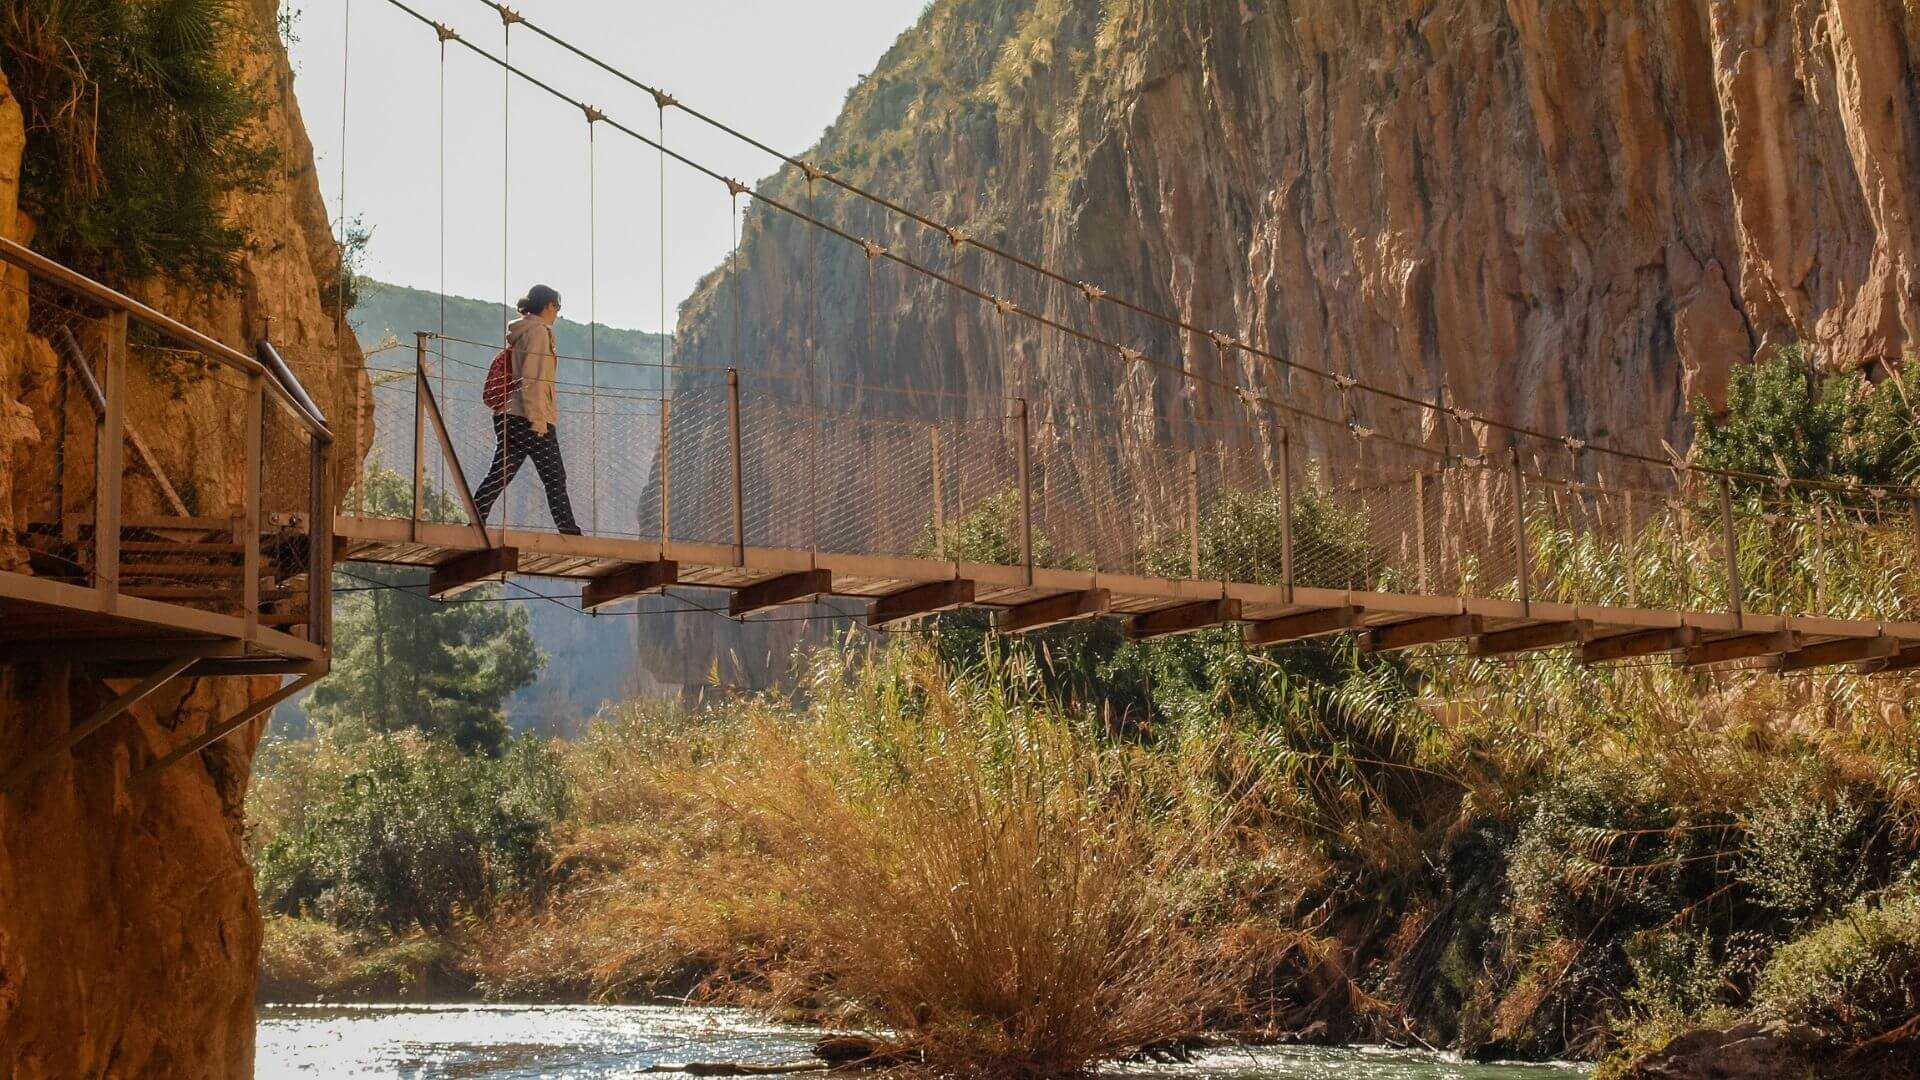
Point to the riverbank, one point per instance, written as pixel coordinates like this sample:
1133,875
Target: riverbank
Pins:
589,1042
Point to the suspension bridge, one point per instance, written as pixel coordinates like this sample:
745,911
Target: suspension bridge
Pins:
1285,521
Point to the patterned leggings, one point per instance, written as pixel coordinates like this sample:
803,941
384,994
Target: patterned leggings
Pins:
513,442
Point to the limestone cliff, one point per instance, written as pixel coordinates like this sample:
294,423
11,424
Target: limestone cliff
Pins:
1576,215
128,924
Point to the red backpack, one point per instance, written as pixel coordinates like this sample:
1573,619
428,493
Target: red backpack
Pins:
499,384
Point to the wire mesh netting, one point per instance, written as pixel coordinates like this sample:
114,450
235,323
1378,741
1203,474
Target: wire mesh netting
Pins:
1354,515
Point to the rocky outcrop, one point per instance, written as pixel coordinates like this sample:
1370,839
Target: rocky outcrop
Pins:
128,923
1574,215
1755,1051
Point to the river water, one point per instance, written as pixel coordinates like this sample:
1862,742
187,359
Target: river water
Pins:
481,1042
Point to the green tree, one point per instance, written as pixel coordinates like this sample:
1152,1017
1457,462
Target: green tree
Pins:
402,660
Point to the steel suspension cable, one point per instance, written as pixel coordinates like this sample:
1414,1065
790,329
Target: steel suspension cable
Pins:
1008,307
958,237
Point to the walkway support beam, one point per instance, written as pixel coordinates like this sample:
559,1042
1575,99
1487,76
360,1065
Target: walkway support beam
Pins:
1405,635
466,572
159,677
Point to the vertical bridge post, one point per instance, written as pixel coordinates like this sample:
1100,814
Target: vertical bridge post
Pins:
1522,573
108,462
1026,490
733,439
1286,512
420,431
1193,514
320,541
1420,523
247,527
1735,596
939,507
666,476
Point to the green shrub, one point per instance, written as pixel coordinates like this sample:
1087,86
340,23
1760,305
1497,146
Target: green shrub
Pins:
1858,975
1784,415
416,834
138,130
1805,849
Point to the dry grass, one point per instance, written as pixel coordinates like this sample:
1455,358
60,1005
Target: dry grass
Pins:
995,890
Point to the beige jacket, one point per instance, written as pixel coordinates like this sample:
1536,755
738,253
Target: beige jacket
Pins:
533,372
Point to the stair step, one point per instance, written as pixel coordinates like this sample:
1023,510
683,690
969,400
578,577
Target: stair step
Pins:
139,569
172,547
162,592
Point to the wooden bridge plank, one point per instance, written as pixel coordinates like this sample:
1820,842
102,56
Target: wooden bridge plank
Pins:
1741,647
628,582
1299,627
1521,639
1182,619
470,570
927,599
1427,631
797,588
1052,610
1842,651
1638,643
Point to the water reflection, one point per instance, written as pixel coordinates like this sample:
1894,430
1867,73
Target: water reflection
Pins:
598,1041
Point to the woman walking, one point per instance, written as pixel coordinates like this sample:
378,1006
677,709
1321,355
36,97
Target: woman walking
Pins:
525,425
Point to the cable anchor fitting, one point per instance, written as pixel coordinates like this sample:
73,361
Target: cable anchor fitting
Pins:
735,187
508,16
446,33
812,171
1003,305
1359,431
1345,382
1131,356
1092,291
872,249
1575,445
955,237
1220,339
594,115
664,100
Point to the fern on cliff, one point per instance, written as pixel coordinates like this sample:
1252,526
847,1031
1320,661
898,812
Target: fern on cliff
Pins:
138,129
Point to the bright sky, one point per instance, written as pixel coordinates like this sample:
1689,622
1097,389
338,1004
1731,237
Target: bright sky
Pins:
775,69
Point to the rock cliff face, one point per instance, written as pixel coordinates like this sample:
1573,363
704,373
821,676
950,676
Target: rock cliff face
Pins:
128,924
1575,215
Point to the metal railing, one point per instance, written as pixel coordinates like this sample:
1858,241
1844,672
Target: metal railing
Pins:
230,513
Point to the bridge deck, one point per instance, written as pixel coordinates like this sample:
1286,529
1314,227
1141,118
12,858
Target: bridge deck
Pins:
871,577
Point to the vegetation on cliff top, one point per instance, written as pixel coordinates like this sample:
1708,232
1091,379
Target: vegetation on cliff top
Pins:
139,128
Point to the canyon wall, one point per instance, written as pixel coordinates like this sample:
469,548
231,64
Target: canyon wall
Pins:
1572,214
128,923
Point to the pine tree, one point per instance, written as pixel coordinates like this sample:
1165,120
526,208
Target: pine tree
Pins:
402,660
